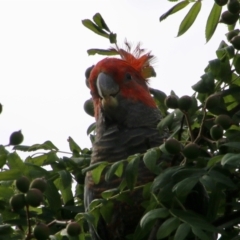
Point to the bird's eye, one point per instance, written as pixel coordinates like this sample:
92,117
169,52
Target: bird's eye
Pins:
128,76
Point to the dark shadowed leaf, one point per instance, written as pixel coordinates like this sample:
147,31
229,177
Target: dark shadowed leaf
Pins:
152,215
189,18
167,227
194,220
174,9
200,234
107,211
131,171
185,186
182,231
221,178
212,21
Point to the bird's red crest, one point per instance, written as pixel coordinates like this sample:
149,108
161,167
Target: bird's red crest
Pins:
138,59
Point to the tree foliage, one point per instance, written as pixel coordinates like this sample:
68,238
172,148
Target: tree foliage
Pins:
204,130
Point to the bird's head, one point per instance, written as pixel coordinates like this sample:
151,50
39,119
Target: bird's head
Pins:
120,92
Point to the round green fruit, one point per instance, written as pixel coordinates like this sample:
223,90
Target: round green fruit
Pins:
171,102
73,229
40,184
34,197
236,42
221,2
41,231
173,146
185,103
216,132
22,184
224,121
213,101
17,202
191,151
229,18
233,6
230,35
88,71
88,107
16,138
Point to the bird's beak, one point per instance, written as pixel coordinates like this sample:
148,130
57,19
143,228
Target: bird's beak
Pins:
106,86
107,89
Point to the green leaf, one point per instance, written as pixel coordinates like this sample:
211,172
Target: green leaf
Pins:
164,178
212,21
97,172
93,166
64,184
214,160
109,193
94,51
189,18
150,159
107,211
234,145
236,63
167,227
39,160
228,52
182,232
185,186
93,27
3,156
113,169
15,162
97,18
91,128
174,9
159,97
10,174
165,122
231,159
53,197
206,85
131,171
152,215
73,146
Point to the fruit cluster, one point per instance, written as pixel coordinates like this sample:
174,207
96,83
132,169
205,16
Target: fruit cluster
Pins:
192,150
31,195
